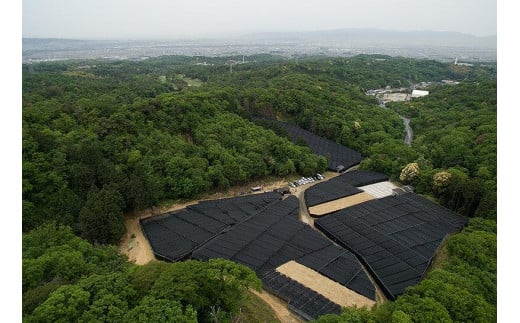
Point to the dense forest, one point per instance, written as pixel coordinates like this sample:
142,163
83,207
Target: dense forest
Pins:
67,279
456,140
101,138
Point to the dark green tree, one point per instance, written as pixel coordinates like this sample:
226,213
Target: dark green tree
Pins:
422,309
349,315
216,286
101,219
66,304
160,310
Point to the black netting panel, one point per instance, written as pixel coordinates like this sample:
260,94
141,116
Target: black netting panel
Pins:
395,236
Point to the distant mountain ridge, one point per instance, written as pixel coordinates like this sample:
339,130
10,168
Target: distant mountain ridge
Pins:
381,36
333,34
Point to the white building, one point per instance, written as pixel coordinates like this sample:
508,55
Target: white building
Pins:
419,93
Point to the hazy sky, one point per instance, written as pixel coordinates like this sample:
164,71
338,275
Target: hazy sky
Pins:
109,19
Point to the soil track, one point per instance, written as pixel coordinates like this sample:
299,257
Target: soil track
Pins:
328,207
324,286
279,307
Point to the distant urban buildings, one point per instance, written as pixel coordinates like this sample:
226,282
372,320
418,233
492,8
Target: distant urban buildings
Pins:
35,50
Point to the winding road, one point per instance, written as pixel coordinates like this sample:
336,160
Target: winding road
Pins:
409,132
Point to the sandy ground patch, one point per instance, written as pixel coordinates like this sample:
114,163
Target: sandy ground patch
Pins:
395,97
134,243
279,307
321,209
324,286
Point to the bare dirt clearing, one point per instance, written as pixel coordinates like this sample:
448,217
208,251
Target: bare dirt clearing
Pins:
134,243
395,97
324,286
321,209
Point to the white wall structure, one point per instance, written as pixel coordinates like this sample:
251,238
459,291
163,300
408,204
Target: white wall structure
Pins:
379,190
419,93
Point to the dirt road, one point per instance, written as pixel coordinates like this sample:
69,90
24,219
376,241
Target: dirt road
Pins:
279,307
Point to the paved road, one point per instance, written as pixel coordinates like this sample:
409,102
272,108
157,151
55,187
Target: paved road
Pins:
409,132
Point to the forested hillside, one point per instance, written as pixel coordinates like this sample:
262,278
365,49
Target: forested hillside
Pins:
66,279
456,139
101,138
93,155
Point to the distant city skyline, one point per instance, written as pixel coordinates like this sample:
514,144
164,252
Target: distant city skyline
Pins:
170,19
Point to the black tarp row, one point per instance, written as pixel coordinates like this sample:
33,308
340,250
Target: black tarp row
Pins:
173,236
341,186
302,300
396,237
377,252
335,153
409,217
274,236
435,210
254,241
359,178
328,191
235,209
342,268
264,240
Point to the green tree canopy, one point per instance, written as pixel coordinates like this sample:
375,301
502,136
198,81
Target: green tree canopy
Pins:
216,285
101,219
